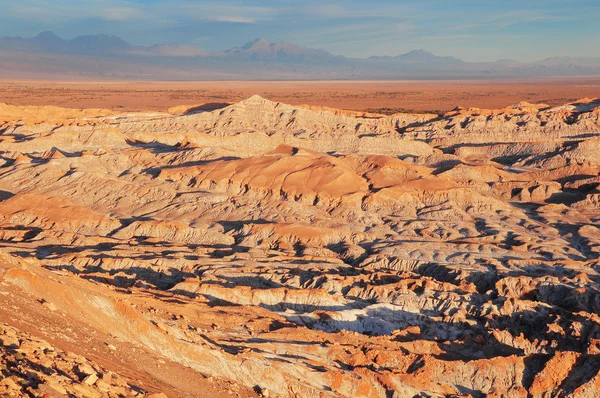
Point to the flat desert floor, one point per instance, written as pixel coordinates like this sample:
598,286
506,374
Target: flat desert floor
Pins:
381,96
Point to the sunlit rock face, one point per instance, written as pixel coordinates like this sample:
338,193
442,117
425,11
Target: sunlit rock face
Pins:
307,252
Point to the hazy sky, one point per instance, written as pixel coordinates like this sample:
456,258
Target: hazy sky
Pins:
474,30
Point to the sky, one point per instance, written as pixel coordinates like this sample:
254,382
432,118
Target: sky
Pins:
473,30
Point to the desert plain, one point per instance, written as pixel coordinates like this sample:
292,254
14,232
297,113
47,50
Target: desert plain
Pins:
425,96
300,239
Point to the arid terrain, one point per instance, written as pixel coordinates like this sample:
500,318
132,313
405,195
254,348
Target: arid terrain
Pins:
376,96
150,244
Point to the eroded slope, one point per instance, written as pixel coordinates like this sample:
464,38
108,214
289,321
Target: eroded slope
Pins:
297,251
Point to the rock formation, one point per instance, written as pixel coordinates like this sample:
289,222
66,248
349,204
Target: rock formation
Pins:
266,249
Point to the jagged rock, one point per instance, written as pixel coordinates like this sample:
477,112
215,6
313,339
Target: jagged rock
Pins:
310,251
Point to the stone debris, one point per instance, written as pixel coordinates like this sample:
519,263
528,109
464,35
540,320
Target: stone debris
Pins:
31,367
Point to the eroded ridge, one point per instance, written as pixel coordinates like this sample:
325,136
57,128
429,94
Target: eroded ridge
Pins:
304,251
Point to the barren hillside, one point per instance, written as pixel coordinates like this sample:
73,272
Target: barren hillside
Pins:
294,251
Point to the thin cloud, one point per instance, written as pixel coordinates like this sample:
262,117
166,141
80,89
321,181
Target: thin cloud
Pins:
223,13
31,12
122,13
235,19
61,11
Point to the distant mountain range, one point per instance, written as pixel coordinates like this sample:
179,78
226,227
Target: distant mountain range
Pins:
104,56
419,56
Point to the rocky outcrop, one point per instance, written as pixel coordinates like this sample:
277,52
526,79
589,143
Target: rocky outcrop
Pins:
301,252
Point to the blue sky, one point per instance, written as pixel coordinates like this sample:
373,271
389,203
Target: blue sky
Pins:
472,30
